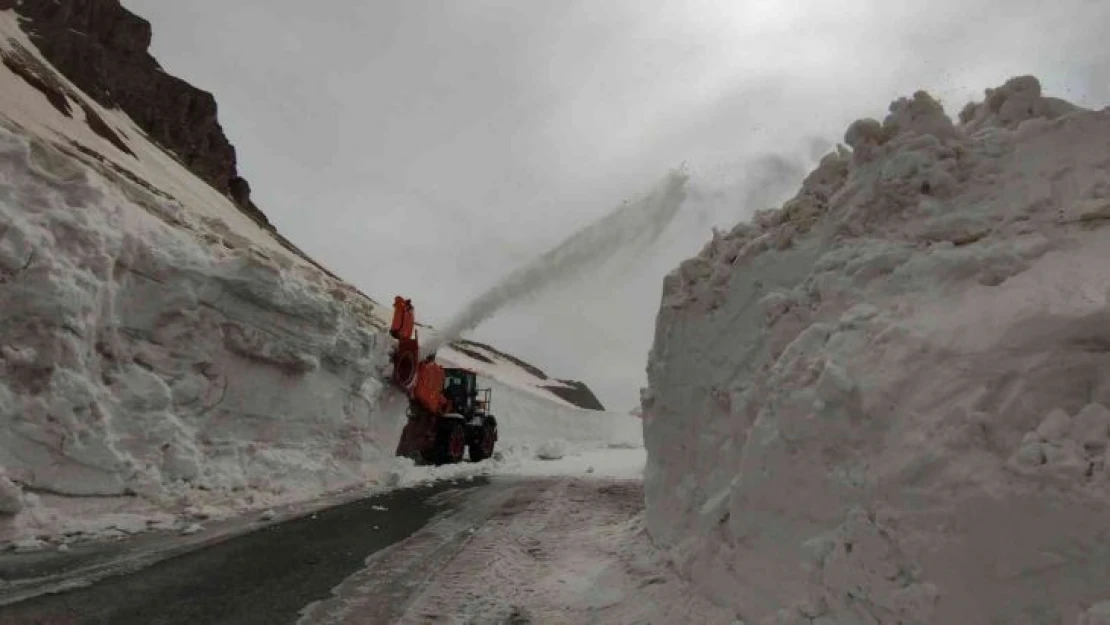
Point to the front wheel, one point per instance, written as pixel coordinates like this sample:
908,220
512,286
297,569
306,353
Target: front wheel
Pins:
481,446
450,442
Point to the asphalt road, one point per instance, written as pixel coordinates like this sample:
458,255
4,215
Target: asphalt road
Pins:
266,577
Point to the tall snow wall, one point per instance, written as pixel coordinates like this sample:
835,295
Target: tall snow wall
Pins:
887,401
141,358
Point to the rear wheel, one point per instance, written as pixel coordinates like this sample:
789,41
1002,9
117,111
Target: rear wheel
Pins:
450,442
481,446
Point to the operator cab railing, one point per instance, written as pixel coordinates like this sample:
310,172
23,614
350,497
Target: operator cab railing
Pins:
484,399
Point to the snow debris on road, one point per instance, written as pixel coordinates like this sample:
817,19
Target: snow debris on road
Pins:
547,550
28,544
908,420
553,449
576,554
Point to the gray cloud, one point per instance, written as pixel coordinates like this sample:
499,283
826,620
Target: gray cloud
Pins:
432,147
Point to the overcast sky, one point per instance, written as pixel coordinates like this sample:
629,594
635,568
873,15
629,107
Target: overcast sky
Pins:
430,147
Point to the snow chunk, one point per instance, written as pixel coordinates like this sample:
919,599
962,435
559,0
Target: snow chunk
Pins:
1018,100
26,545
865,133
551,450
921,114
11,497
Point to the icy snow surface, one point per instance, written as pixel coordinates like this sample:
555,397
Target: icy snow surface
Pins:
887,401
165,359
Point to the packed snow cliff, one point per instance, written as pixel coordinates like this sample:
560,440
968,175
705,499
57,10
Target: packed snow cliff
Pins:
889,400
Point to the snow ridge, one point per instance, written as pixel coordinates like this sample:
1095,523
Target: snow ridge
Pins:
886,402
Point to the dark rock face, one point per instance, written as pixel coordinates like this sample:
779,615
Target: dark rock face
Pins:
104,49
240,190
577,393
530,368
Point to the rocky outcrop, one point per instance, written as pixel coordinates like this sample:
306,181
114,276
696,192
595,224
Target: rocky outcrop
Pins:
576,393
104,50
530,368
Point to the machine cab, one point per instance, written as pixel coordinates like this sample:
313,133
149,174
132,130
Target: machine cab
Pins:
460,386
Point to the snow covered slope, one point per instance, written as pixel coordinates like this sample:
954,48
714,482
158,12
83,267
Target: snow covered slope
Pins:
887,402
489,364
156,341
163,355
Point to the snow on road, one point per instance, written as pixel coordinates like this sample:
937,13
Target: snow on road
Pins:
577,553
548,550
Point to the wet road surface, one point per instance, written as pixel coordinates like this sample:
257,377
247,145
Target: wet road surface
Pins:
265,578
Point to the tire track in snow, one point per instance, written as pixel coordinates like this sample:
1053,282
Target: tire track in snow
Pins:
381,592
574,552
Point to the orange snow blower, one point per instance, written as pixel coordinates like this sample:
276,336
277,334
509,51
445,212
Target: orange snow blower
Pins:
447,412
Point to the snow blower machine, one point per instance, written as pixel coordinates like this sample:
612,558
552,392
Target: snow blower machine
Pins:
447,412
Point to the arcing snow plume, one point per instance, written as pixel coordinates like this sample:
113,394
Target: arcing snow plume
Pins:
633,225
887,402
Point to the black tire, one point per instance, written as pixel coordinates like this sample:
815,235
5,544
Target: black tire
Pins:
450,442
482,444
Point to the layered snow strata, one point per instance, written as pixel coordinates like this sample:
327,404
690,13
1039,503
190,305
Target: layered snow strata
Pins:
886,402
140,359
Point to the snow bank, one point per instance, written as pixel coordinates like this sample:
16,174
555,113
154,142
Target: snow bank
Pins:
138,360
886,402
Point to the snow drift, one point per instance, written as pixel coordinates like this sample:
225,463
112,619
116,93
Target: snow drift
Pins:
887,401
